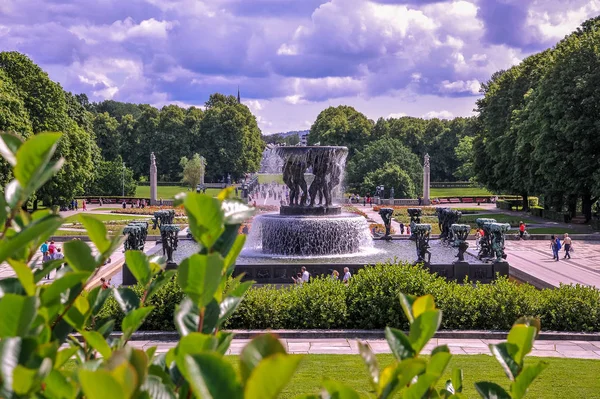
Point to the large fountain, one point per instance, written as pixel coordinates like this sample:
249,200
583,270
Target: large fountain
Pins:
312,224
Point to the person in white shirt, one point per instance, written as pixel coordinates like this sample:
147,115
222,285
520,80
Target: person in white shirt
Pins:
305,274
347,275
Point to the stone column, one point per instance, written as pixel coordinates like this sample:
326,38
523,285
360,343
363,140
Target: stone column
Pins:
153,181
426,172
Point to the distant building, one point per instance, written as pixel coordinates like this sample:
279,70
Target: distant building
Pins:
304,137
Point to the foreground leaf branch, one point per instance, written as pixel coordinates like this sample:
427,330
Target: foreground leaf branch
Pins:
53,344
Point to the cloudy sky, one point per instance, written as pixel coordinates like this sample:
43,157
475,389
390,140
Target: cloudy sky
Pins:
290,58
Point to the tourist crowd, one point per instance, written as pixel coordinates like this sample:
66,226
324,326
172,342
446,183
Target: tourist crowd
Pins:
304,276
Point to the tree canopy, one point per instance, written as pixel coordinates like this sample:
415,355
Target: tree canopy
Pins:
539,125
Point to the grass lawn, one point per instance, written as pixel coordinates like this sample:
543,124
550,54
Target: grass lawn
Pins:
106,217
268,178
555,230
564,378
169,192
458,192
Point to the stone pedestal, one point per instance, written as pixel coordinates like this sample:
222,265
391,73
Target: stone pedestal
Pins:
426,181
461,270
153,180
128,278
501,268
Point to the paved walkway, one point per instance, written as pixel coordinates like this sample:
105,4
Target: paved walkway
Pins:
341,346
532,261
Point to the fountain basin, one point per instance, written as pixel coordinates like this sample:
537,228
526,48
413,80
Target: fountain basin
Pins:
300,235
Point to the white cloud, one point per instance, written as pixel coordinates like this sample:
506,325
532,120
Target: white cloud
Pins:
396,115
438,114
120,31
460,86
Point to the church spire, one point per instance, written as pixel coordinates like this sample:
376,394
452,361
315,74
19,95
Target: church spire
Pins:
239,95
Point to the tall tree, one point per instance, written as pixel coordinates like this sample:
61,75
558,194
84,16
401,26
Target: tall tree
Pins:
193,169
108,136
112,178
341,125
48,110
232,142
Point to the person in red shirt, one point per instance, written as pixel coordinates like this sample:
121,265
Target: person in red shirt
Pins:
51,249
521,229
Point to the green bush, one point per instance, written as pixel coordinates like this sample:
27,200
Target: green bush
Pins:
370,302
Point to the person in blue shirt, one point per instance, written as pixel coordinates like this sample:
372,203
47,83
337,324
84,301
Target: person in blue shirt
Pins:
44,248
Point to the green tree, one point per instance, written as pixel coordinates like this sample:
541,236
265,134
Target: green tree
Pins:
112,178
13,118
464,154
390,176
193,169
378,153
231,139
48,110
341,125
108,136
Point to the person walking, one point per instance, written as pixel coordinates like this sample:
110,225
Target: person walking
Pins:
364,201
554,245
401,228
477,238
347,276
83,205
568,242
305,274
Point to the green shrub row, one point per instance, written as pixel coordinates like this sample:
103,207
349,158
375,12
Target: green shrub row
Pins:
370,301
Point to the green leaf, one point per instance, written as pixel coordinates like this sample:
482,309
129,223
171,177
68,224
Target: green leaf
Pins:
9,145
457,380
25,276
225,339
64,355
423,304
518,388
489,390
337,390
159,281
157,389
79,256
100,384
270,376
24,379
205,218
17,313
96,231
424,328
236,212
199,277
186,317
234,251
97,297
97,341
14,194
523,337
4,211
407,369
505,353
11,285
53,293
369,358
420,388
126,298
406,301
438,363
195,343
227,307
530,322
38,230
40,274
33,157
134,320
258,349
399,343
57,386
10,349
138,264
210,376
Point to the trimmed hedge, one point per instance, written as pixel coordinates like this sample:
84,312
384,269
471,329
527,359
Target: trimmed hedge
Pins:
370,301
